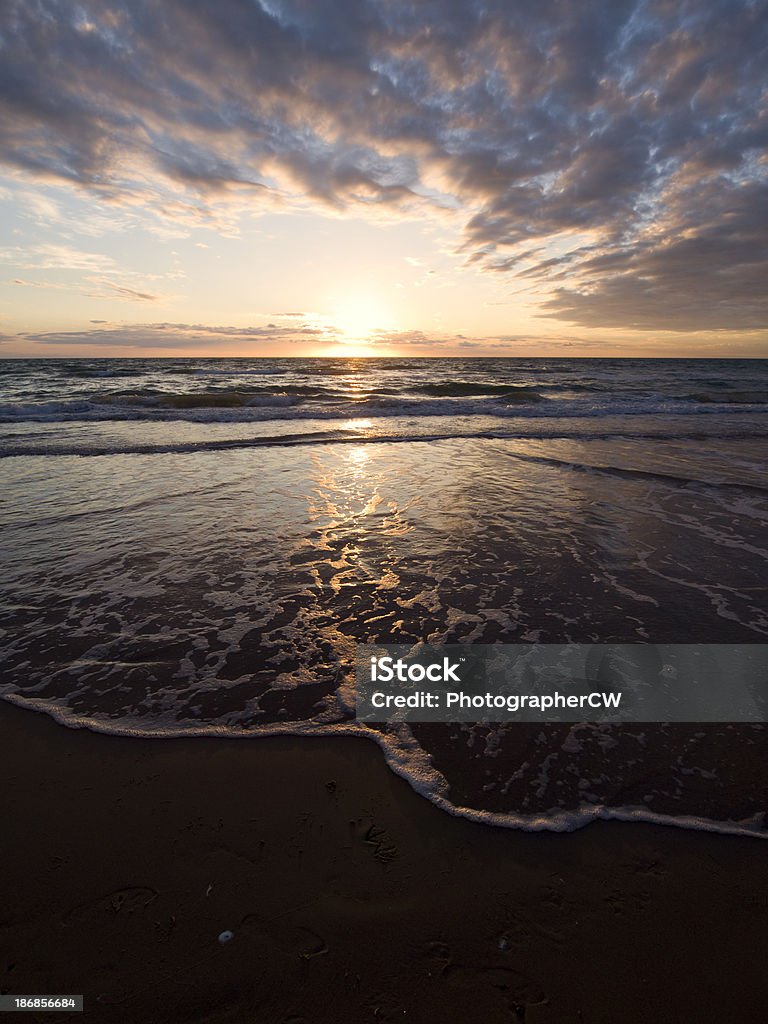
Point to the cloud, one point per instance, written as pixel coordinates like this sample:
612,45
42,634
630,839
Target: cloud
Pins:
106,334
109,289
613,153
57,257
313,336
404,339
121,291
709,277
40,284
179,335
40,207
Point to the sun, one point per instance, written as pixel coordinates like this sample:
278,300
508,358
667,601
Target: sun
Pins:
359,318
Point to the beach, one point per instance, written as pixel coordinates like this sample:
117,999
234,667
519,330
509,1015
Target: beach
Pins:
193,551
384,512
350,898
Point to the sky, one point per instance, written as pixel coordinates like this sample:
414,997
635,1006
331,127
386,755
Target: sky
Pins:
381,177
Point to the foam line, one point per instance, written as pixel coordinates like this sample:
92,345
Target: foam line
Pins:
409,761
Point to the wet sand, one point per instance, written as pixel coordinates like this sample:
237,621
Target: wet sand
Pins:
350,897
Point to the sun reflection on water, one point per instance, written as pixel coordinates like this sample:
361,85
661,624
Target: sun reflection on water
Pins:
358,456
354,532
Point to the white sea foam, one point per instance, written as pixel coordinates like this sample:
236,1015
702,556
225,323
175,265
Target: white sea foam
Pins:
408,760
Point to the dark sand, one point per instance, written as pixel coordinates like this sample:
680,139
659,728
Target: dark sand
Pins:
351,898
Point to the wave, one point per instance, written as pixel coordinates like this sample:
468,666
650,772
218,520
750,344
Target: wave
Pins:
731,397
462,389
306,402
228,400
240,406
265,372
93,373
412,763
625,473
10,447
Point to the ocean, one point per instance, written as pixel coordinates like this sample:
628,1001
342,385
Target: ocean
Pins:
197,545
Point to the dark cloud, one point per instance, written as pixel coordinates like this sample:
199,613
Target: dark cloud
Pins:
614,153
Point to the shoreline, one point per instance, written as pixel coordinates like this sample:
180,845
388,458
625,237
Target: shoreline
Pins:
566,820
351,897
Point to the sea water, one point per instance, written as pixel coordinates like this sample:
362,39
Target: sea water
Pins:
197,545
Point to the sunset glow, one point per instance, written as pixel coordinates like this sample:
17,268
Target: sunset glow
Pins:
359,318
389,179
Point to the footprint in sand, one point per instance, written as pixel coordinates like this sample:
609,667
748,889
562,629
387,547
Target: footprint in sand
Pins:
384,848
